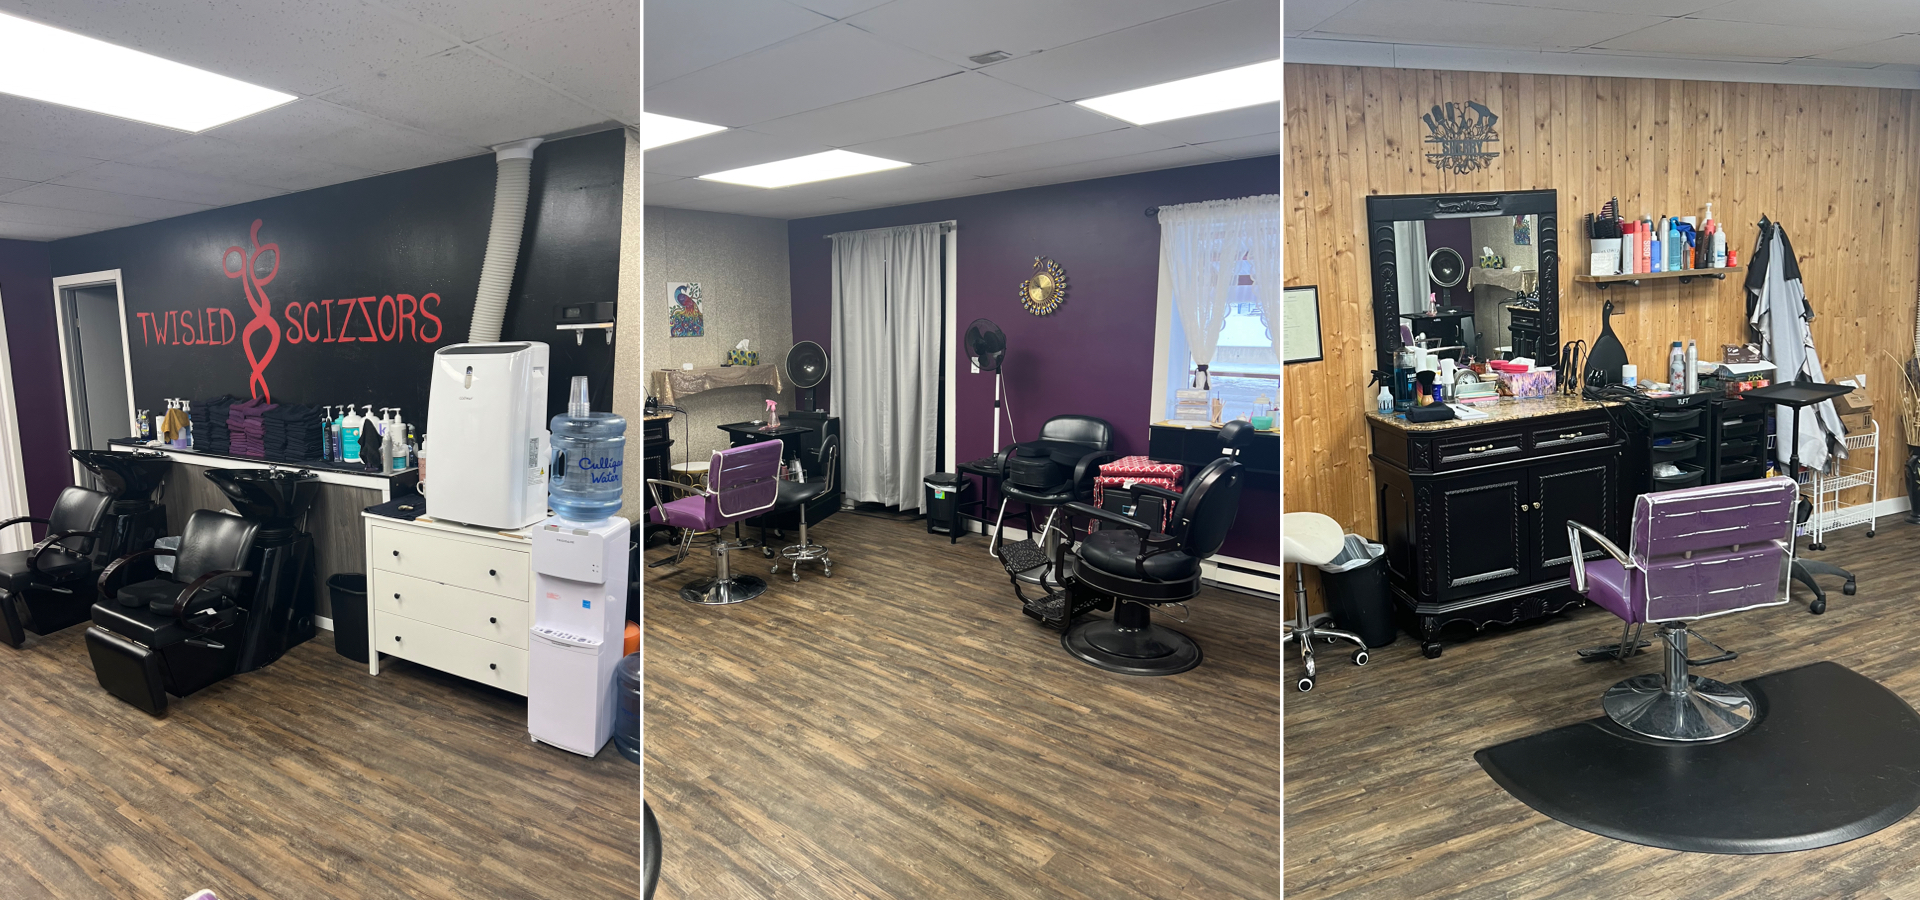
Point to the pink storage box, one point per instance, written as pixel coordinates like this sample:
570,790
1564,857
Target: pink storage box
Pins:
1527,385
1130,470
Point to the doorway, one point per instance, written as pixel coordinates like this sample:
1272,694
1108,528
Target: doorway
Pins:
93,359
13,480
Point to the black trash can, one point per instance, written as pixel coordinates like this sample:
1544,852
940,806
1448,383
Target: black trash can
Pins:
348,591
944,490
1358,599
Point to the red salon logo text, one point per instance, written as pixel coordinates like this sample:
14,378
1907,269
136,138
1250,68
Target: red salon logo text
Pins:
388,318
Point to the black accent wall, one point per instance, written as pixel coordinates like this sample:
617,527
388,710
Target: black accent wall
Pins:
369,278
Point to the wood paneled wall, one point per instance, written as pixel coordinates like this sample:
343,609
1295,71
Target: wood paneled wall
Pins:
1834,165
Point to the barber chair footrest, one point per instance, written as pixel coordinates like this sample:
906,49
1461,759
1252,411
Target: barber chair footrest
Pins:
1611,651
128,670
1022,556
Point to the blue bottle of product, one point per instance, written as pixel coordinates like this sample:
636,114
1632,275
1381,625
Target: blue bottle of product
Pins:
584,479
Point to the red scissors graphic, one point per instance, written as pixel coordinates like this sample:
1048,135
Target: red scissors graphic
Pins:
256,287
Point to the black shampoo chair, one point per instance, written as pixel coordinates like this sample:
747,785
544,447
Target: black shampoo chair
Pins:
1134,567
50,586
175,635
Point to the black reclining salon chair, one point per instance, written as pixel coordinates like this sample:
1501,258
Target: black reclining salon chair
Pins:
50,586
1051,471
175,635
1129,566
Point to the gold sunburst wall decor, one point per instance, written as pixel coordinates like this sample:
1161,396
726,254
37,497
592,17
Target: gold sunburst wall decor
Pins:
1042,293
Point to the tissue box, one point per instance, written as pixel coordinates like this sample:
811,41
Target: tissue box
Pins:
743,357
1527,385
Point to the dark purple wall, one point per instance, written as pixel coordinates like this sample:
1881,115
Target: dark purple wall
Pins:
26,287
1092,357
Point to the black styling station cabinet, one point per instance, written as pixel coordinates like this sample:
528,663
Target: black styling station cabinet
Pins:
1474,513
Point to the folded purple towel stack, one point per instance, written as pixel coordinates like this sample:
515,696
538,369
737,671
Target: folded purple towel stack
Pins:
246,430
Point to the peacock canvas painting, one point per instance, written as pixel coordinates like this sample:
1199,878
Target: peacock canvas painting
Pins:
684,316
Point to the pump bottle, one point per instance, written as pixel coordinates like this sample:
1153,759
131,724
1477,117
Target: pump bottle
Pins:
350,425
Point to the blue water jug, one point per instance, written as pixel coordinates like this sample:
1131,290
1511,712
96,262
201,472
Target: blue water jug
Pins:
584,479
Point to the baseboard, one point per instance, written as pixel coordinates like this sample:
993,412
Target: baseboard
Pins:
324,623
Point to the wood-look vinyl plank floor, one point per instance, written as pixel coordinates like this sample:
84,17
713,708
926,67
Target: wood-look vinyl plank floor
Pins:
307,779
901,730
1384,798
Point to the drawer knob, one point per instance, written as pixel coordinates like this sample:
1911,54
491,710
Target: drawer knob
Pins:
493,620
493,573
492,666
1536,504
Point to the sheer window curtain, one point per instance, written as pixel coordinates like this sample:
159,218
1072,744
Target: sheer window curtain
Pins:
886,345
1201,245
13,482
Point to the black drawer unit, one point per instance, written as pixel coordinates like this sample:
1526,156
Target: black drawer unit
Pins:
1737,439
1665,430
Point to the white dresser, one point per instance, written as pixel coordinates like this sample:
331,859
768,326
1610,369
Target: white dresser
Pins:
450,597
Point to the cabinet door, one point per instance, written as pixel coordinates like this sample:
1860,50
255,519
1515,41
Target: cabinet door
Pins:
1582,491
1478,543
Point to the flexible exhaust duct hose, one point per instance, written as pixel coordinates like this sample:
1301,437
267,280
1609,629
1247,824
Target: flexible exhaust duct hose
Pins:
510,191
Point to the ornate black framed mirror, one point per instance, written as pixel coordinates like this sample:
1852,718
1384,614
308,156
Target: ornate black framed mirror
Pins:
1496,295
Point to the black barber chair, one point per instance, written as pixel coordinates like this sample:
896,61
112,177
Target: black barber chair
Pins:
133,478
281,616
50,586
1053,470
175,635
796,504
1131,567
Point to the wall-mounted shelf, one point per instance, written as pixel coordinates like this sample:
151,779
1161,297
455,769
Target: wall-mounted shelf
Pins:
1684,275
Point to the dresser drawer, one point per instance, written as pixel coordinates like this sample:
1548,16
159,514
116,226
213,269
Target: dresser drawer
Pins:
483,615
478,659
1474,449
1578,435
480,567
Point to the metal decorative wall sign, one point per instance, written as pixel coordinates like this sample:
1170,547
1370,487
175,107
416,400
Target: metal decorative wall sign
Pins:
1460,137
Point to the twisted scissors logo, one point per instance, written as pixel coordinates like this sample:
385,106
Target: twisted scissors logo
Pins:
255,285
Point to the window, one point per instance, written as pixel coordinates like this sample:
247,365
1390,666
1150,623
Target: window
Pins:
1245,374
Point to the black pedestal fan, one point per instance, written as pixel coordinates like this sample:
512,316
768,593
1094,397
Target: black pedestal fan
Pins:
987,348
806,367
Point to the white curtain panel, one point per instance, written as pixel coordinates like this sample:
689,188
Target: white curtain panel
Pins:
886,367
1201,245
1410,260
13,482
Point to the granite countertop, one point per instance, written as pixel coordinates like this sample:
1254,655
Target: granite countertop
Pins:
1505,409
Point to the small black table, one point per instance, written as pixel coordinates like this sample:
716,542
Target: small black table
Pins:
753,432
1798,395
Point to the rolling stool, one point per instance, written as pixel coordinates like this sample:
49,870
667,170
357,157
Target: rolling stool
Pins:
1311,539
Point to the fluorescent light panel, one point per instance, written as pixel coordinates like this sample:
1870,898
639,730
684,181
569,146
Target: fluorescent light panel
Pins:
41,62
1199,95
658,131
803,169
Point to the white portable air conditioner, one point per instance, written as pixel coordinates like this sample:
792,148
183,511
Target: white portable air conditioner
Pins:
487,420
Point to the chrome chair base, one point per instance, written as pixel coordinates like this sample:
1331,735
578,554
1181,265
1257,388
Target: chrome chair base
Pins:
798,554
721,592
1303,631
1705,710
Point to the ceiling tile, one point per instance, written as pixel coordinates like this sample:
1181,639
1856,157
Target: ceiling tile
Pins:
471,20
659,177
839,9
166,184
674,193
1466,23
1656,54
725,150
1740,39
1903,50
34,125
592,53
327,132
1878,15
1246,147
1303,15
1222,36
1125,142
1669,8
965,97
1020,129
63,218
1174,157
955,31
300,46
59,196
820,68
683,37
20,231
11,184
1220,126
28,164
212,156
465,96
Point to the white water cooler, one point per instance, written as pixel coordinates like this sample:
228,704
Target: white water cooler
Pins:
578,633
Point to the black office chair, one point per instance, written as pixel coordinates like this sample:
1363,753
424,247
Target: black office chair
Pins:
794,499
178,634
49,586
1134,567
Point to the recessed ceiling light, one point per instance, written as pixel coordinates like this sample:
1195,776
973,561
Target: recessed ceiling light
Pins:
41,62
1201,94
802,169
658,131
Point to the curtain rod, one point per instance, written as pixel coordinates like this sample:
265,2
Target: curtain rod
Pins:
944,228
1152,211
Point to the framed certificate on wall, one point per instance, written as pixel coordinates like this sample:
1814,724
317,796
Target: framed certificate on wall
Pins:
1300,324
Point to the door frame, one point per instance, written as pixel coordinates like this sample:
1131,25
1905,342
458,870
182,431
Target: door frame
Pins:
61,285
13,464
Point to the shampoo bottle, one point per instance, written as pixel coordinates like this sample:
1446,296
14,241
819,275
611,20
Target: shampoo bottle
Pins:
351,423
370,439
326,434
1656,247
1719,249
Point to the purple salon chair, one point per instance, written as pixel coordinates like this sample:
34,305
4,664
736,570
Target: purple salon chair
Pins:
742,482
1696,553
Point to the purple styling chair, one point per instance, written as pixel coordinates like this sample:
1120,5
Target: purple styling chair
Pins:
1696,553
742,482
